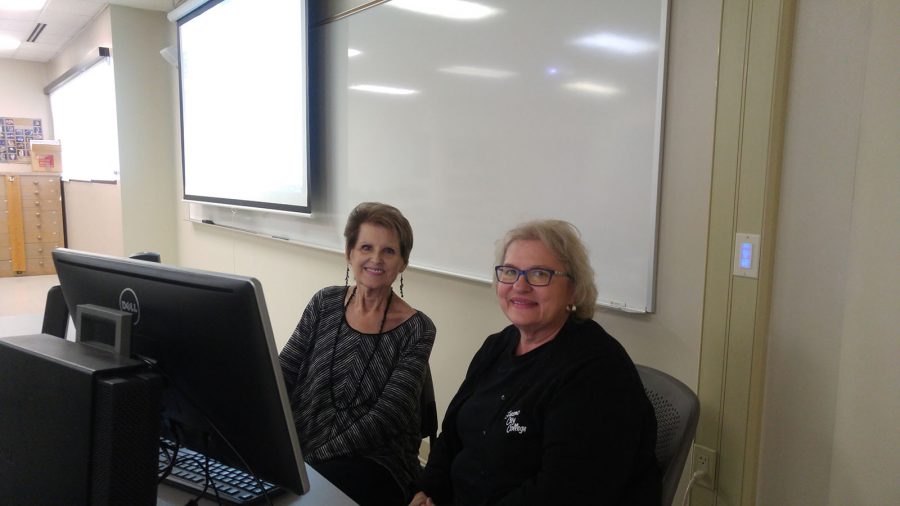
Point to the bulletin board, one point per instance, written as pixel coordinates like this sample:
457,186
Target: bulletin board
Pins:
16,136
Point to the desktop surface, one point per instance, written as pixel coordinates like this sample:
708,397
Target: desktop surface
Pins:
321,493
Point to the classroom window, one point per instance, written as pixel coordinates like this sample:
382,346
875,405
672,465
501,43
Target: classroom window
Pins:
84,120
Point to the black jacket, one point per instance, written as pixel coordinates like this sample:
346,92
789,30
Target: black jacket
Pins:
574,428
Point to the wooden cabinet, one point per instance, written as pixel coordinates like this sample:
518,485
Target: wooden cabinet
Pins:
31,223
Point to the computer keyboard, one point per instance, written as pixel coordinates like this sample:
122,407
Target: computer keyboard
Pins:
234,485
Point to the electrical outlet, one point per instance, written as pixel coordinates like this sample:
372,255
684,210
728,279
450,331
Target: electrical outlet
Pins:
705,461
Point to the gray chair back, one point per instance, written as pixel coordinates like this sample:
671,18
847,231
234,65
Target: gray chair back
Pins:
428,408
56,314
677,409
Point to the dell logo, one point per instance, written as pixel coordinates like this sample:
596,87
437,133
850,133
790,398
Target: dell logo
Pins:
128,302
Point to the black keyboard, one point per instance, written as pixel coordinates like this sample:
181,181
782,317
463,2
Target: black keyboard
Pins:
234,485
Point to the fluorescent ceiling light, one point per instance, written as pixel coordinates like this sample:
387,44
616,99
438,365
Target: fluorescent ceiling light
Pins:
477,72
454,9
22,5
616,43
600,89
7,42
389,90
353,52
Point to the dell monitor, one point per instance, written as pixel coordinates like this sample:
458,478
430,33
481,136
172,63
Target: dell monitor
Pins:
208,334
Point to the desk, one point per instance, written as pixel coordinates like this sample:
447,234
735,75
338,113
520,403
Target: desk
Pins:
321,493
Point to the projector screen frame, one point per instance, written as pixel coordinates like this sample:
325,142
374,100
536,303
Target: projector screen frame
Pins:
275,197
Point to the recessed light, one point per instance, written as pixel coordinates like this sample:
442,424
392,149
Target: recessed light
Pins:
22,5
353,52
7,42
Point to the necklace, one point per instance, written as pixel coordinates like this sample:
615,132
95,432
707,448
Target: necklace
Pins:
362,375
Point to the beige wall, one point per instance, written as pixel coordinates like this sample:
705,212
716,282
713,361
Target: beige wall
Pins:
94,217
137,213
866,449
97,34
22,96
831,408
144,113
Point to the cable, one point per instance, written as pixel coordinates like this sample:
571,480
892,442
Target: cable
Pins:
155,366
687,491
209,478
171,457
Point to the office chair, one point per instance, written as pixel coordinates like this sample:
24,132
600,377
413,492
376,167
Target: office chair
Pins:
56,314
677,409
149,256
428,408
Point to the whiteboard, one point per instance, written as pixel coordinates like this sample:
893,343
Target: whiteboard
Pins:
538,110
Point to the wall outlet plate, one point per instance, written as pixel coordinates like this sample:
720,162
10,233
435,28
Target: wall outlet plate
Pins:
705,461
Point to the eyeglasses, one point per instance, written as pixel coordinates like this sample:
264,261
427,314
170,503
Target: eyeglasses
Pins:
535,277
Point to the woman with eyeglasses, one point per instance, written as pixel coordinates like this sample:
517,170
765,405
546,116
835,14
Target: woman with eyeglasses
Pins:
552,410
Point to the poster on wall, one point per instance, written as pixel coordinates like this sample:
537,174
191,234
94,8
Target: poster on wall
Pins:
16,135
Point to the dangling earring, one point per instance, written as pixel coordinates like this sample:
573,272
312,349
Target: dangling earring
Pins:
571,308
347,277
401,285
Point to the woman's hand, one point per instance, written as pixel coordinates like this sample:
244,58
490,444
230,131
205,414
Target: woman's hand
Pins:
420,499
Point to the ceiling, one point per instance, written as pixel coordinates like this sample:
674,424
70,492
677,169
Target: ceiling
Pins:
64,19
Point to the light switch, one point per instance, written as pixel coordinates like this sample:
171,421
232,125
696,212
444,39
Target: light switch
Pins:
746,255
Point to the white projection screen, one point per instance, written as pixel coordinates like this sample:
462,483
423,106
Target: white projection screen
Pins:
243,84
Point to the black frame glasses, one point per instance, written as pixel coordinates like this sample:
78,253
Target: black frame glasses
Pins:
534,276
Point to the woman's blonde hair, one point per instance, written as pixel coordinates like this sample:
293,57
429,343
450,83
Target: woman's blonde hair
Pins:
563,240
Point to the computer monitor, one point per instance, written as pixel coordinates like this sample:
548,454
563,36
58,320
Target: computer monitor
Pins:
210,337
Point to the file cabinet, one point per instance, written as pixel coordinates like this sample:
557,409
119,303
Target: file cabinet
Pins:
32,223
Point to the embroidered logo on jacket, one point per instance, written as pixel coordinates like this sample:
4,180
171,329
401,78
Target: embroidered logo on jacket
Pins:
512,425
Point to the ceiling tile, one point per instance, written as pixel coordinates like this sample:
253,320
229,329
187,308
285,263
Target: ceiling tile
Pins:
64,19
78,7
20,15
9,26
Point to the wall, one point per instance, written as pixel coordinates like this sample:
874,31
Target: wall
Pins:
137,213
93,210
829,426
143,98
97,34
22,96
94,217
670,338
866,449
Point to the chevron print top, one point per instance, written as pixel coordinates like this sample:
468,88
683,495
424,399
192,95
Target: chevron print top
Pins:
376,416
